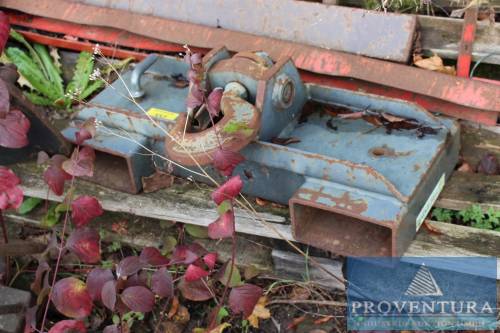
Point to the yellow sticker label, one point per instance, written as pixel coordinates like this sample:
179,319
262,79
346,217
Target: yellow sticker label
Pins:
164,114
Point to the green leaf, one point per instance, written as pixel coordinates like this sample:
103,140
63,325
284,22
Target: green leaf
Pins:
196,231
91,88
52,72
28,205
31,72
36,58
235,276
38,99
223,313
169,245
51,218
224,207
63,207
80,80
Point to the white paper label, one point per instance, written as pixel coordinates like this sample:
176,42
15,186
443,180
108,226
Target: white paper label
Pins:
430,201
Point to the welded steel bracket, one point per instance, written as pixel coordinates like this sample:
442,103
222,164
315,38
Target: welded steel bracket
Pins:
354,186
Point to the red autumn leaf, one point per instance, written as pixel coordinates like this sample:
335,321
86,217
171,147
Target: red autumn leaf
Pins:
96,280
112,329
183,255
488,165
244,298
194,291
84,209
41,271
86,131
71,298
194,273
128,266
223,227
195,96
152,256
108,294
4,96
14,130
138,298
228,191
68,326
55,176
162,283
213,101
226,160
4,30
210,259
85,243
11,196
81,163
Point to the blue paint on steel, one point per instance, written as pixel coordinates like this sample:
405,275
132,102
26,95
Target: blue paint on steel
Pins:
346,166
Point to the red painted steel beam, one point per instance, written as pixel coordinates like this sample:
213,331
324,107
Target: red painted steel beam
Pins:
468,34
97,34
473,100
107,51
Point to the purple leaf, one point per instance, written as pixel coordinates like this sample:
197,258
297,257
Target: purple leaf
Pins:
86,131
30,319
243,299
137,279
128,266
138,298
488,165
213,101
4,30
81,163
152,256
194,291
194,273
71,298
96,280
226,160
85,243
183,255
108,294
228,191
55,176
162,283
223,227
84,209
112,329
195,96
4,93
68,326
14,130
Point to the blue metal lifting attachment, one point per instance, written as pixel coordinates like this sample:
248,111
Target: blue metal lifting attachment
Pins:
360,174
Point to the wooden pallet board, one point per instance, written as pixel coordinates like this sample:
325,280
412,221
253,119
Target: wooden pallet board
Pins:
465,189
171,204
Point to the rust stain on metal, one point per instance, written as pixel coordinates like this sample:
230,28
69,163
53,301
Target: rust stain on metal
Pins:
357,206
385,151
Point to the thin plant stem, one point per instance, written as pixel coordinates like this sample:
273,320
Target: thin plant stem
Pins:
6,241
61,248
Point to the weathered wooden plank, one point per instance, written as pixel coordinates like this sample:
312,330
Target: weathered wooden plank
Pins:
442,36
297,266
466,189
173,204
